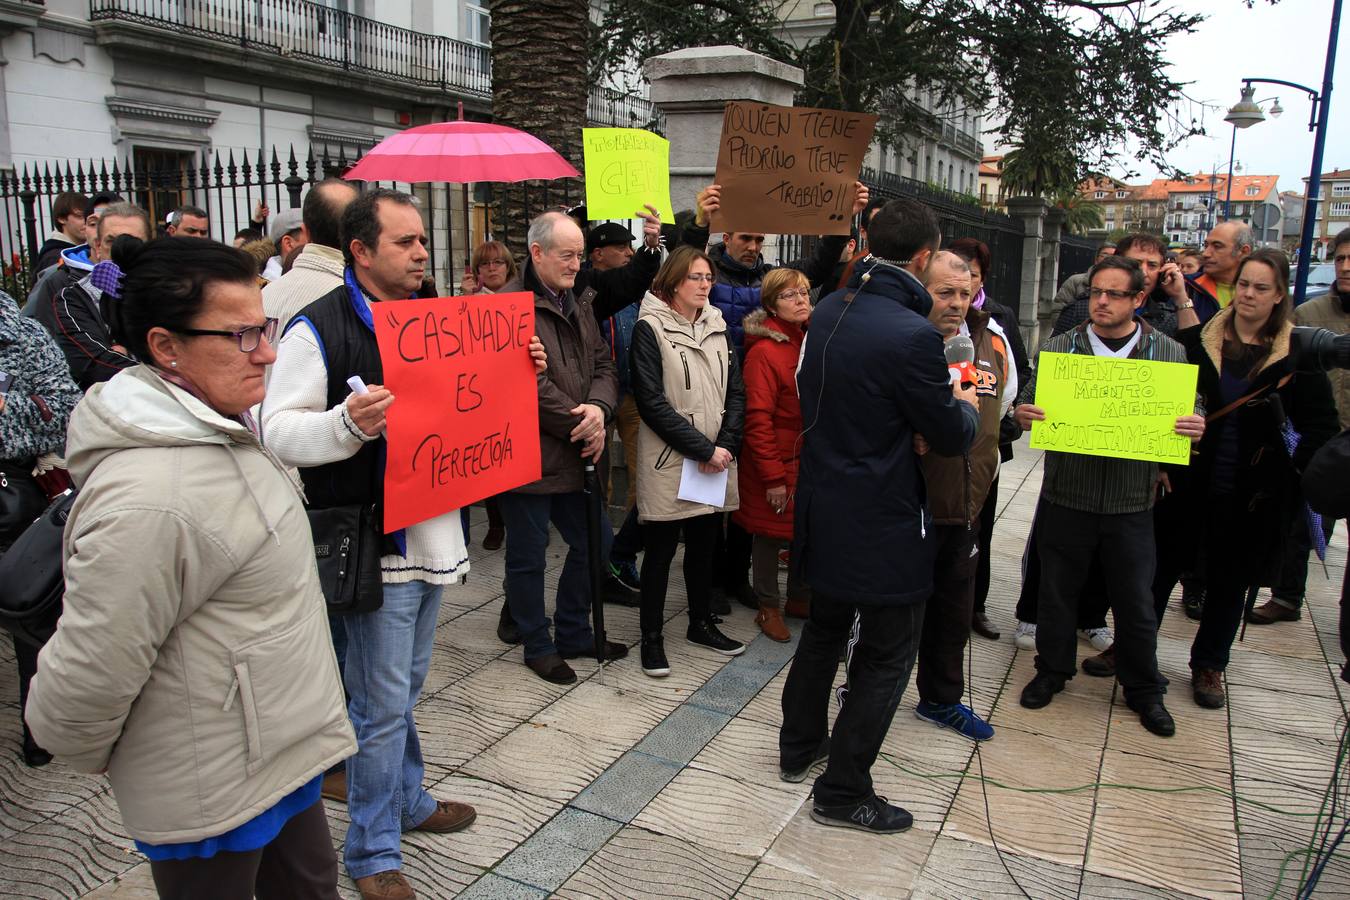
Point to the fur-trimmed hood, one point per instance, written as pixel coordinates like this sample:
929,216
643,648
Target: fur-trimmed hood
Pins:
759,325
1212,335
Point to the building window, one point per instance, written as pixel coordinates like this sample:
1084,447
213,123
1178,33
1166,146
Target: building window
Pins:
1099,195
941,166
161,172
1253,191
823,9
1340,210
1121,195
1341,190
477,25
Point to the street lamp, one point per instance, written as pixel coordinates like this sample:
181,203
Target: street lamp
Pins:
1244,114
1317,122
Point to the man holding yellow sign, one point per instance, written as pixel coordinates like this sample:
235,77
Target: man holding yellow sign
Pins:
1103,387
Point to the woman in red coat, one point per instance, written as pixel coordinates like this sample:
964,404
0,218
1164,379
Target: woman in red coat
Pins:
773,423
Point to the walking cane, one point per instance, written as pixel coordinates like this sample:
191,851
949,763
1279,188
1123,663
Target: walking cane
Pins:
591,489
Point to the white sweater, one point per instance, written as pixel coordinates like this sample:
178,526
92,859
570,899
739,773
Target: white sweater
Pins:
315,272
299,428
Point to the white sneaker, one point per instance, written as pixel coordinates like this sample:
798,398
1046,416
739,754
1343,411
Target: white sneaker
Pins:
1025,636
1101,639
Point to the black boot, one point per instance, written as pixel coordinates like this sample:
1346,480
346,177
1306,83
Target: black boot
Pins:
507,632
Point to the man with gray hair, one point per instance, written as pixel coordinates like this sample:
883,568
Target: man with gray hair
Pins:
1226,246
189,221
577,395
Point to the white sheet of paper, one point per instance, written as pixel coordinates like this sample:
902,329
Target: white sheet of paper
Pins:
696,487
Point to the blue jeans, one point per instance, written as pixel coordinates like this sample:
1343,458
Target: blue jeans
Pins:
527,517
388,652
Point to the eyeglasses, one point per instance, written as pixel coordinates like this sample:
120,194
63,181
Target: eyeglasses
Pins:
701,276
1095,292
799,293
492,263
248,338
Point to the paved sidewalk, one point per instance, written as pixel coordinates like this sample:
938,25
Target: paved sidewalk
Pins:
624,786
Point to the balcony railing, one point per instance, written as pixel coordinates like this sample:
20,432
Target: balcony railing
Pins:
612,109
300,29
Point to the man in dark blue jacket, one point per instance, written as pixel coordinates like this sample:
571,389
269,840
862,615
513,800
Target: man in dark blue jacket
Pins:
872,376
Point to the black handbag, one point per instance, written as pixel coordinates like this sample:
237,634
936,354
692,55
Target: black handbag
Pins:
347,544
32,580
21,501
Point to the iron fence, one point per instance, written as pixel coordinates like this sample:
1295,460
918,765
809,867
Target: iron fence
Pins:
1075,255
305,30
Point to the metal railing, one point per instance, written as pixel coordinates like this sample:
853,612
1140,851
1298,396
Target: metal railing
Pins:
610,108
304,30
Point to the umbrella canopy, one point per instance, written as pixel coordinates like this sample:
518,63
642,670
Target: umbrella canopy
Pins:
461,152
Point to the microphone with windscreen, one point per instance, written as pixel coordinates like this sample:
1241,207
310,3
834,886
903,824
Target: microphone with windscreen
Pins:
960,352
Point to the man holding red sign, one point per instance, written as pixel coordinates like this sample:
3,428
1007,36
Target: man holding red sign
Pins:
331,425
577,394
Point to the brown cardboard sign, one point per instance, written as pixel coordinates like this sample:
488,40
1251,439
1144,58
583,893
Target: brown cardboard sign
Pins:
789,169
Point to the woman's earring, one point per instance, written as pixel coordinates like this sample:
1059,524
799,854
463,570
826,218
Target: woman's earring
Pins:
173,364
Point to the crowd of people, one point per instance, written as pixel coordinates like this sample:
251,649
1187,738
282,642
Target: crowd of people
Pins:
200,397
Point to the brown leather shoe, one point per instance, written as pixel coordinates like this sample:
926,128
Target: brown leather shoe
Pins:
797,608
552,668
390,885
770,621
980,624
1103,665
450,815
335,786
1270,612
1207,685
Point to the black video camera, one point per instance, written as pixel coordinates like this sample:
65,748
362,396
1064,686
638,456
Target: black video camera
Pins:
1319,350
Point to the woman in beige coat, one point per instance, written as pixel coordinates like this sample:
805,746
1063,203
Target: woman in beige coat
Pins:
193,662
688,389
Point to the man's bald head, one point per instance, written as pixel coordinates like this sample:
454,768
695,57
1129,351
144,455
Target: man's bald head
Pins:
945,262
948,281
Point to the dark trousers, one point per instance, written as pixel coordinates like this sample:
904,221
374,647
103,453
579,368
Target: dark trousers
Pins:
984,541
946,620
661,540
1294,564
1174,534
1091,608
26,655
1069,542
764,569
882,643
1228,574
733,551
299,864
628,541
527,517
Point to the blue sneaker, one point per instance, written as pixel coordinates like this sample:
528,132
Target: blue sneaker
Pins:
626,574
956,716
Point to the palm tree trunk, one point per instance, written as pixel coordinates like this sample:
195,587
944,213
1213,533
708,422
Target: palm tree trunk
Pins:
539,85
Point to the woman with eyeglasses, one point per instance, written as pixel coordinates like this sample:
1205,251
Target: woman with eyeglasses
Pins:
773,421
193,662
1249,477
688,390
490,268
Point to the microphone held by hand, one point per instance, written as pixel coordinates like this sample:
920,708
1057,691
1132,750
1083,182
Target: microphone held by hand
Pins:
960,353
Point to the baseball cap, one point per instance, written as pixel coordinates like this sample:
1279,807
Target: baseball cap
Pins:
607,233
283,223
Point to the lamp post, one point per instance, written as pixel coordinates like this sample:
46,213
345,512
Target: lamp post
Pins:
1244,114
1247,113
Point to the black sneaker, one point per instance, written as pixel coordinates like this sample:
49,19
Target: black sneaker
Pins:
705,634
873,814
1193,604
626,574
653,652
613,590
797,774
1041,690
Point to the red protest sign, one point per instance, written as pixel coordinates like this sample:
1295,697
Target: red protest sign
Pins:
464,423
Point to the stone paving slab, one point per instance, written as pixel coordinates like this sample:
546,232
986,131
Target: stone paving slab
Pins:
625,786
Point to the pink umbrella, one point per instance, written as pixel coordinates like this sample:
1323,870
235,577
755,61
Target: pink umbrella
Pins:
461,152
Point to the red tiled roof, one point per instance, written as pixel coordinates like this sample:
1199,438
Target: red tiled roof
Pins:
1161,188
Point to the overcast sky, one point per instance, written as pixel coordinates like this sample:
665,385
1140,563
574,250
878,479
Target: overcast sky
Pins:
1286,41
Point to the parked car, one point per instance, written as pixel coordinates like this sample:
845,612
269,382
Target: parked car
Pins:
1321,276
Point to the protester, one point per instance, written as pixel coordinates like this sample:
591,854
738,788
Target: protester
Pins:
977,256
313,420
957,488
576,396
188,221
196,669
688,389
286,232
35,407
72,315
246,235
1189,262
490,267
1075,285
318,269
1250,476
1165,287
260,251
67,228
773,421
740,268
872,376
1099,509
1226,246
1332,312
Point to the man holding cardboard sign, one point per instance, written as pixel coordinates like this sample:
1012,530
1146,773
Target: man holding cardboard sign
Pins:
1100,506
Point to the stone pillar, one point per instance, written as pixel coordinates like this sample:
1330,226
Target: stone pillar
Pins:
691,87
1050,239
1032,211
